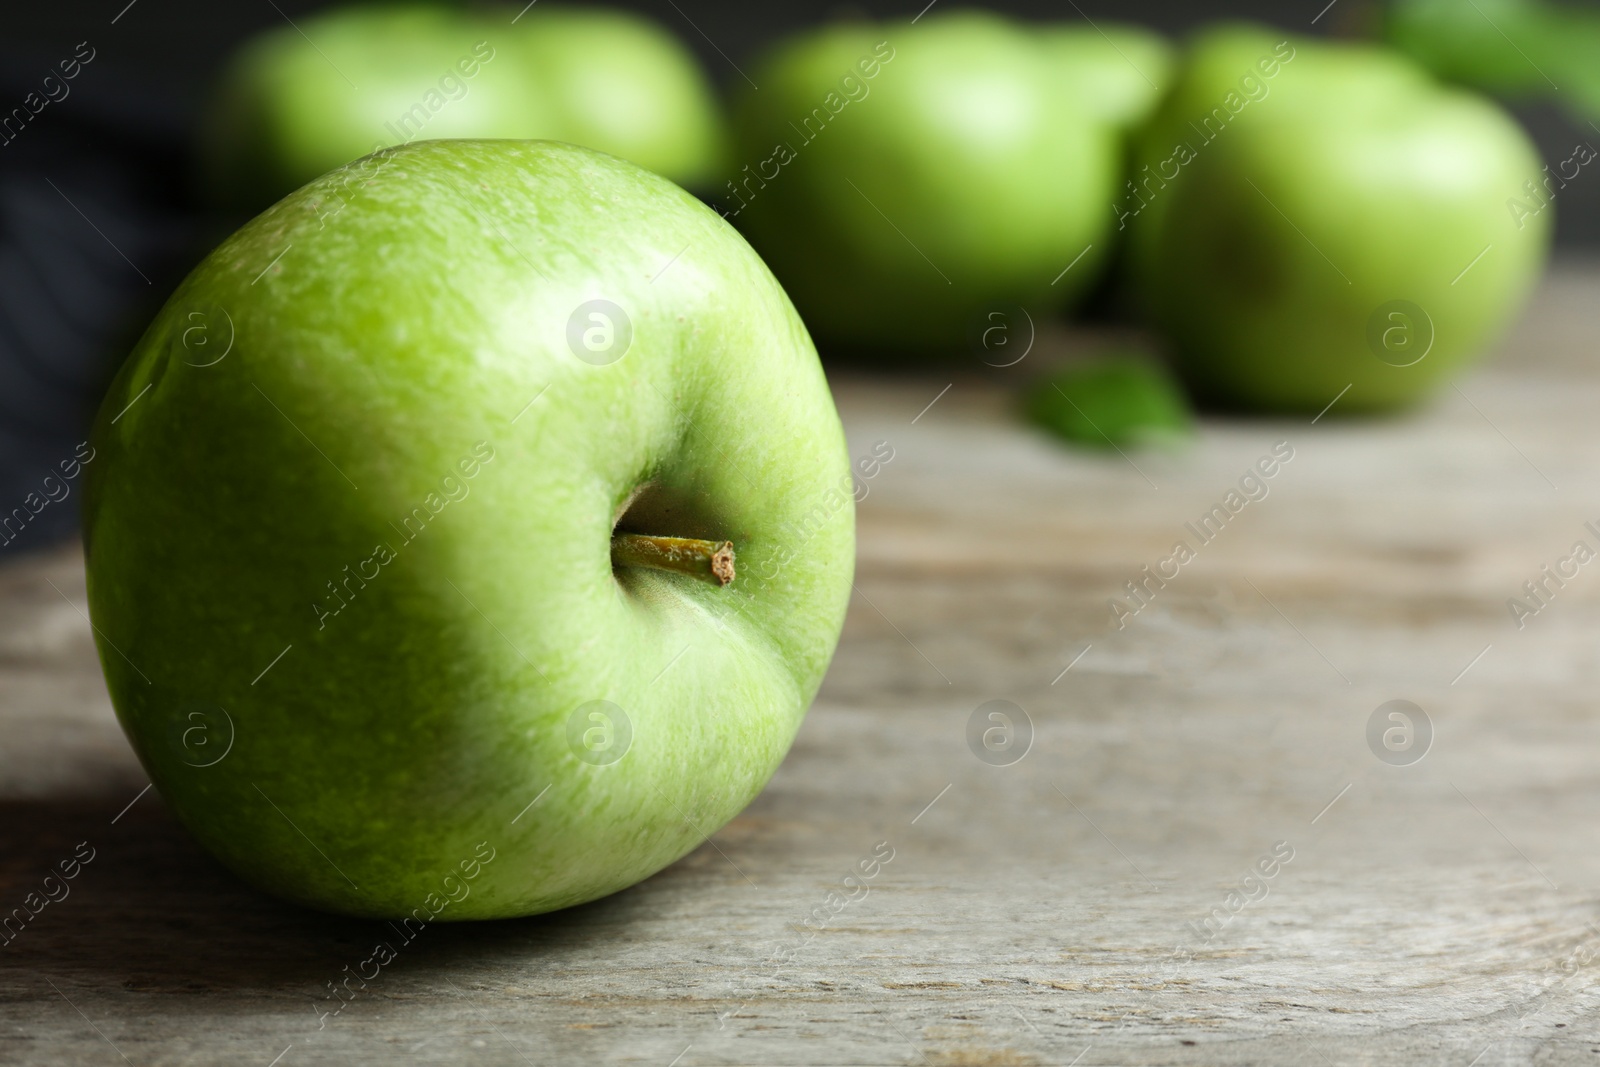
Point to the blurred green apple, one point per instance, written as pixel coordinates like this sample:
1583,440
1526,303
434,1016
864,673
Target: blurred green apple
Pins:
1475,46
353,549
290,107
903,180
624,85
1515,48
296,102
1113,71
1308,217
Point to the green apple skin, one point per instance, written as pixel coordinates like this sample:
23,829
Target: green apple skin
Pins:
624,85
1352,181
292,106
948,182
1475,51
1115,72
383,355
1553,55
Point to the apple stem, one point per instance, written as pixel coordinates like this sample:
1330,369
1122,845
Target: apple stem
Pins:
710,561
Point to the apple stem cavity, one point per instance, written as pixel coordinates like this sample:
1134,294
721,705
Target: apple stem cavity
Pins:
710,561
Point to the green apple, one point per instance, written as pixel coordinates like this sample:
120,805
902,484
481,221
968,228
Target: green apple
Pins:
296,102
1309,217
624,85
903,180
291,106
1516,48
1437,34
352,544
1113,71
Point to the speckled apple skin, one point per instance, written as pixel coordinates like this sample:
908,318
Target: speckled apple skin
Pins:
378,374
1275,254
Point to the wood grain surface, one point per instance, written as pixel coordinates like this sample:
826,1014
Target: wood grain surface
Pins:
1100,900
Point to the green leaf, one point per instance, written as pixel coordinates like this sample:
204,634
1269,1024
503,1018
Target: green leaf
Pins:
1113,401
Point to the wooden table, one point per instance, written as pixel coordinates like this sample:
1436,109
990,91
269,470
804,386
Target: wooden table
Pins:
1092,902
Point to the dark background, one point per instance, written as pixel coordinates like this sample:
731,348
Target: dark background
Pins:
155,64
96,214
180,43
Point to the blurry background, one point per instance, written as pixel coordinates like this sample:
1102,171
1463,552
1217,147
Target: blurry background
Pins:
161,57
97,208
